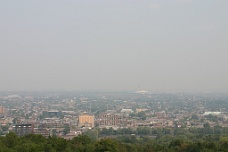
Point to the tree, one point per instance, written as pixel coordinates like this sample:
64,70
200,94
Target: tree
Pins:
195,117
28,147
224,143
59,144
93,134
82,139
179,145
217,130
82,143
11,140
207,129
108,145
143,130
34,138
141,114
66,129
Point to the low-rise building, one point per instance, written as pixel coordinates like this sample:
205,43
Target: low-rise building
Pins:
109,119
23,129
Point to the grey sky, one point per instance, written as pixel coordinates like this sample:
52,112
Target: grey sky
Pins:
156,45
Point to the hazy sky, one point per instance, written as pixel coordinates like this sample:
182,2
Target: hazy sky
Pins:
156,45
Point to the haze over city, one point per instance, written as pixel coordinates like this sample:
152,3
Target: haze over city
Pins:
178,45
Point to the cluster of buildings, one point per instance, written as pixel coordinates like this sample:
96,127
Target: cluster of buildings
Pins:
69,115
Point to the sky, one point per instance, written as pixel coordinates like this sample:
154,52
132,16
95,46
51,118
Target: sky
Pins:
114,45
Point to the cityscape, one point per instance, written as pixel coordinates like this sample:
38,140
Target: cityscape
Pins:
69,114
113,76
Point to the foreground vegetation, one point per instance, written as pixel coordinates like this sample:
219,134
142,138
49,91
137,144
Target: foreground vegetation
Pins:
125,143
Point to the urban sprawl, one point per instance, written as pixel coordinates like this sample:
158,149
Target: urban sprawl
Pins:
102,114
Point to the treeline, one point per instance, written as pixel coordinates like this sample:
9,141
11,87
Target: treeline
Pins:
128,143
148,131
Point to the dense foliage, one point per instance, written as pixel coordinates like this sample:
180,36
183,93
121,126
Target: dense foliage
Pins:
148,131
83,143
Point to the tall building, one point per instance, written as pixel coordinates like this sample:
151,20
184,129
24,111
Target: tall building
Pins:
86,120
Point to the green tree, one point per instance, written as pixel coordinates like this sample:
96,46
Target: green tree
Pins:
28,147
179,145
11,140
224,144
93,134
141,114
82,139
106,145
195,117
66,129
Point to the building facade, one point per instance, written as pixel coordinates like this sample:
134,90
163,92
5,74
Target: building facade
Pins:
110,119
86,120
23,129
